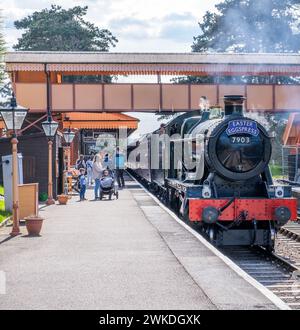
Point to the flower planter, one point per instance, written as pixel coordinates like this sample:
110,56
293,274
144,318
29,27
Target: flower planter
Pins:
63,199
34,225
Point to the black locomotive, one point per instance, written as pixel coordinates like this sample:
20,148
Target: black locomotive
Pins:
212,169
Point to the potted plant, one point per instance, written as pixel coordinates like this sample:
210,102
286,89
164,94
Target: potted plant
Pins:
34,225
63,199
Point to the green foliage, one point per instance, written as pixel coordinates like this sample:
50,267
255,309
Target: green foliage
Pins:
250,26
43,196
58,29
88,78
275,126
276,170
237,80
193,80
3,214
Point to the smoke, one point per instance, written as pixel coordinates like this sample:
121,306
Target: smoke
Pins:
258,26
260,118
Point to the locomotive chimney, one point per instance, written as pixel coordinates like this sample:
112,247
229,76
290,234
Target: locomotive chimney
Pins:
234,105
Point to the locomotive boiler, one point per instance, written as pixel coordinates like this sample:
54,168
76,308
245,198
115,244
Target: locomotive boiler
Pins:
212,169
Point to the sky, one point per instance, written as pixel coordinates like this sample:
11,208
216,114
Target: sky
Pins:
139,25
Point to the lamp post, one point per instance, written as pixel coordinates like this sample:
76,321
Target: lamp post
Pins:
13,116
50,127
69,137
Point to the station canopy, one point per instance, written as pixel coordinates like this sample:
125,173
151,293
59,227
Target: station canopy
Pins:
40,80
102,121
154,63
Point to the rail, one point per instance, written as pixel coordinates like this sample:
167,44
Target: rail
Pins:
278,271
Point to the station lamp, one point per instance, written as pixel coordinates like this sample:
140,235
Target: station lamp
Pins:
13,116
69,136
50,127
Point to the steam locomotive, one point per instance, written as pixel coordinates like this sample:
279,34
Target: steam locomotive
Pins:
211,168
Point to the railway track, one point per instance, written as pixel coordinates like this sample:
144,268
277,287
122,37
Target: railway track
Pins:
279,271
291,230
288,243
271,270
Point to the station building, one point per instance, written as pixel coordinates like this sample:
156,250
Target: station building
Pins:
61,82
94,132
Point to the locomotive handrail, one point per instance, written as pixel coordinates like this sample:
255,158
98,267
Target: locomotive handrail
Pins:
192,138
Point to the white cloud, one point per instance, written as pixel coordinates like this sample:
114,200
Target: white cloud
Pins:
140,26
148,25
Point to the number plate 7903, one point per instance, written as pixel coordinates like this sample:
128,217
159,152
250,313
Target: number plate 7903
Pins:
240,139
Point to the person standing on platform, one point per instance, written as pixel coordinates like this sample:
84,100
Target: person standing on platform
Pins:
89,169
80,163
119,163
106,161
97,173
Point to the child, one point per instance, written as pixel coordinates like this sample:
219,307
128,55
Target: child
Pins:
82,182
106,184
105,173
106,179
106,161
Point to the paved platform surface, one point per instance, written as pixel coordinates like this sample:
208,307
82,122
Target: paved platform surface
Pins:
121,254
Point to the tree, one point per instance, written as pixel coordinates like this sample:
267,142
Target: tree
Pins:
58,29
2,51
253,26
250,26
275,124
5,84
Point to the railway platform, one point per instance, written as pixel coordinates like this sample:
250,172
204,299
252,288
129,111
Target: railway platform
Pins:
122,254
